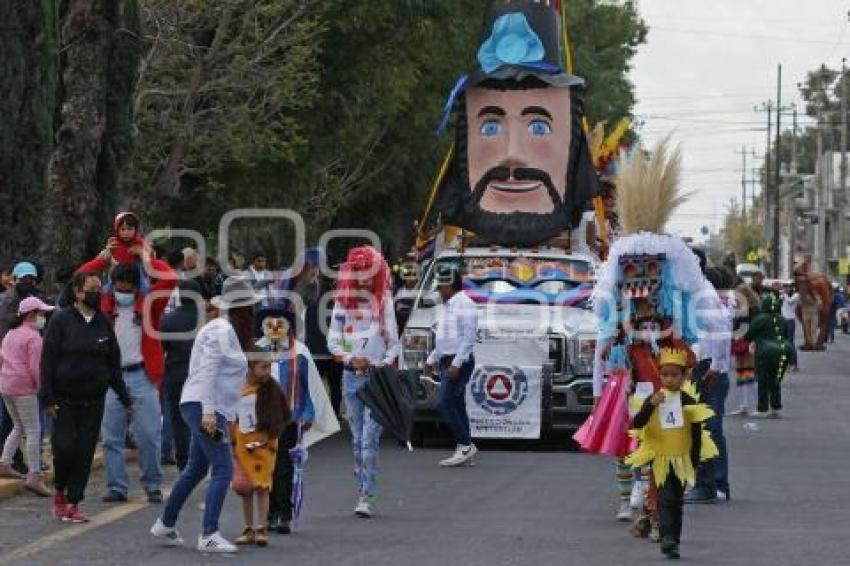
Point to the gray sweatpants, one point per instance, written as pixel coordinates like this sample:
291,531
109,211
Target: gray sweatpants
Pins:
24,413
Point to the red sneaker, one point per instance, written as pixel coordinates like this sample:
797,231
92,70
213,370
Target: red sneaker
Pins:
74,515
60,505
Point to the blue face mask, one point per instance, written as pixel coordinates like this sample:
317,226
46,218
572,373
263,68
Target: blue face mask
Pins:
125,299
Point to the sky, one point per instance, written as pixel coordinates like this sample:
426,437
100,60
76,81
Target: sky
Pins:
707,64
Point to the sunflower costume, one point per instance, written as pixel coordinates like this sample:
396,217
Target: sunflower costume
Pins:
673,441
678,450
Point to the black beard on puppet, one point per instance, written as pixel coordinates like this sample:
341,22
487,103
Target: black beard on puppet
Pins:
460,205
514,227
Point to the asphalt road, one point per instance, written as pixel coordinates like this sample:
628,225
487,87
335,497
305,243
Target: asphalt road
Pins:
517,507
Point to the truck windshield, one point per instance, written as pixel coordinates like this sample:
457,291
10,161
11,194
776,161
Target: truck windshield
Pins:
521,280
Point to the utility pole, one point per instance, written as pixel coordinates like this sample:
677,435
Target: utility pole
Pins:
777,166
842,200
765,190
744,181
821,177
794,141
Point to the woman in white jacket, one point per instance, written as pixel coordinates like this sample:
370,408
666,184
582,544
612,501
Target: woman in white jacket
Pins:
217,372
363,333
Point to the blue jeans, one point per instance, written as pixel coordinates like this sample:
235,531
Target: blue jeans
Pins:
453,401
146,420
365,434
714,474
203,453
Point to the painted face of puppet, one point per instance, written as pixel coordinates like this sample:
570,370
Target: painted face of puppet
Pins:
518,148
276,329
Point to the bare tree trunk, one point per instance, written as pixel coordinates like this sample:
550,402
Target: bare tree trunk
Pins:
72,199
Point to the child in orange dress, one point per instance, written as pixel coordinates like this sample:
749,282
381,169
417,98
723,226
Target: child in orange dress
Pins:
262,415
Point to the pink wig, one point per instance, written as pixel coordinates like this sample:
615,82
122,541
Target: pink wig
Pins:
364,262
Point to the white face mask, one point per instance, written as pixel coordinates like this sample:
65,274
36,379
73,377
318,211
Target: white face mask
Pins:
40,322
125,299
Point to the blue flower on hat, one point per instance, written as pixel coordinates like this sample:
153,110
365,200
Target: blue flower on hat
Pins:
513,42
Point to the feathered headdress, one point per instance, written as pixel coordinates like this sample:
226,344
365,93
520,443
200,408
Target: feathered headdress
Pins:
648,189
648,192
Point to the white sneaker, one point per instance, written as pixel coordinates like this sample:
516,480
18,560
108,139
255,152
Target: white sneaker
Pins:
740,412
625,512
463,456
759,415
215,544
364,508
168,535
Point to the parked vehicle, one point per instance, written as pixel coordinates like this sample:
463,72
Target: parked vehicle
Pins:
536,340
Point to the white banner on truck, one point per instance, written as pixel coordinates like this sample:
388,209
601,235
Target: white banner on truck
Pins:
505,392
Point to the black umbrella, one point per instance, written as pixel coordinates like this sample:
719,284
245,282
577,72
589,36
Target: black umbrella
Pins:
390,396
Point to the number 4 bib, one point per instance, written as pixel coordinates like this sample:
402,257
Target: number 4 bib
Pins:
671,412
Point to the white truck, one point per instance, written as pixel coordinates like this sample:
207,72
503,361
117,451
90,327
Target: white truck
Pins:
536,340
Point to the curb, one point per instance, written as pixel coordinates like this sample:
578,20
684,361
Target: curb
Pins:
11,488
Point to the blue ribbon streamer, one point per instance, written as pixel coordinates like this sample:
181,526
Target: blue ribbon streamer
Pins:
459,87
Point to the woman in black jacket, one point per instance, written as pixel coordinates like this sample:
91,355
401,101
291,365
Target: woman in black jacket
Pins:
80,361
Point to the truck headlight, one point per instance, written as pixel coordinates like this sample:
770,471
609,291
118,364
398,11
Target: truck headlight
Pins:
416,345
583,355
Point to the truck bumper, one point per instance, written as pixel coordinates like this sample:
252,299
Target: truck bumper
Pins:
565,406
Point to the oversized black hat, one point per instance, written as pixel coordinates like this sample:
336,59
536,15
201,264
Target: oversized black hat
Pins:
522,38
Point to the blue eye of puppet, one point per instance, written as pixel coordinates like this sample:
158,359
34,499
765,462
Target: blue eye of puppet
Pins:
539,128
491,128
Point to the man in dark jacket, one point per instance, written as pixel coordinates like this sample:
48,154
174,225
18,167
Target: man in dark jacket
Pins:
178,336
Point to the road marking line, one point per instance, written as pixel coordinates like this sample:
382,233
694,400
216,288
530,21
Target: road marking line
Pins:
73,531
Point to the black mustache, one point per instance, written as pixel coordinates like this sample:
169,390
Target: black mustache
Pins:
518,174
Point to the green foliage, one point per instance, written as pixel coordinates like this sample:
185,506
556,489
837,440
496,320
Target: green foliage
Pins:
743,236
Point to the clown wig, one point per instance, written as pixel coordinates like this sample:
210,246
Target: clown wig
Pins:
364,263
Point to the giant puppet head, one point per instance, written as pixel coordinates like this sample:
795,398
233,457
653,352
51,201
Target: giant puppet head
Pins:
521,172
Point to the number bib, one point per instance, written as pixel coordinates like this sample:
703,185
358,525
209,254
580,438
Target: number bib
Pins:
670,411
246,412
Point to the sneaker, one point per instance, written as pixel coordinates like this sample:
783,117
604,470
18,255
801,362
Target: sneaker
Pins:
60,505
247,538
724,494
261,539
74,515
670,547
774,414
280,526
215,544
168,535
364,508
741,412
463,456
114,497
625,513
6,471
155,497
